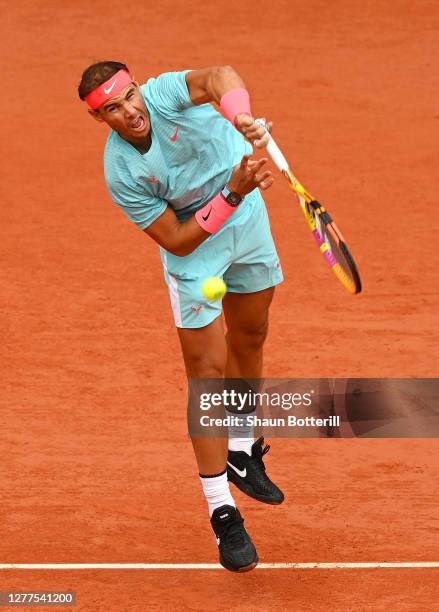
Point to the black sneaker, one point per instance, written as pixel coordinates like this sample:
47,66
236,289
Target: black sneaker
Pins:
248,474
237,551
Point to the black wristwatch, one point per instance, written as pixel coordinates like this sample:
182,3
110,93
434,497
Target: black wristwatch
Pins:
231,197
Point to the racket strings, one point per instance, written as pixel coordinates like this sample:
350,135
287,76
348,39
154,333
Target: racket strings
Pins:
328,237
332,246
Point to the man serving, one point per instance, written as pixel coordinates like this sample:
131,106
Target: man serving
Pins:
183,173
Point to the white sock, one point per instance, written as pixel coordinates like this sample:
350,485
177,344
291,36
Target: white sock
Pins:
241,437
217,492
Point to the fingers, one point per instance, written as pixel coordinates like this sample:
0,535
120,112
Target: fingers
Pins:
252,129
247,175
243,120
264,180
266,128
266,184
255,131
262,142
244,162
255,164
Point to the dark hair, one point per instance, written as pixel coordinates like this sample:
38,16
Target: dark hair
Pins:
96,74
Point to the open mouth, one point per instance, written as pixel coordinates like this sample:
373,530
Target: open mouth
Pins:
139,124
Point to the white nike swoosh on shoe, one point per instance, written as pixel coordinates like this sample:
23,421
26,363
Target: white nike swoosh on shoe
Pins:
242,473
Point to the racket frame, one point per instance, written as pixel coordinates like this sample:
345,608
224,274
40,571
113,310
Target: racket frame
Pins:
315,214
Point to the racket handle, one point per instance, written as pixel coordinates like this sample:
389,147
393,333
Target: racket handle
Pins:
274,152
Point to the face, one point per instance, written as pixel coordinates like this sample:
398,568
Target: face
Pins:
126,113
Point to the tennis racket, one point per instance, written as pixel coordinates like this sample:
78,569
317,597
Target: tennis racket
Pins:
327,235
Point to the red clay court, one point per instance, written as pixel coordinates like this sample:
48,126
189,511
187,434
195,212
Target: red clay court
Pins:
93,393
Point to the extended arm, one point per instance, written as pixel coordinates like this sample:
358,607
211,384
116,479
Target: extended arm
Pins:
211,84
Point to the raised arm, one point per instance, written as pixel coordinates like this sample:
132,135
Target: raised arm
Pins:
224,86
211,85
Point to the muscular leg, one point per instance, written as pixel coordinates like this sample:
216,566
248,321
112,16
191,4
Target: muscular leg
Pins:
208,354
247,322
205,354
247,325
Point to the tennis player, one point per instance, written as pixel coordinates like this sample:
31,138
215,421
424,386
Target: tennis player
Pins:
183,173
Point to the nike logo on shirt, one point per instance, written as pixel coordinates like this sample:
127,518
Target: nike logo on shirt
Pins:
242,473
175,136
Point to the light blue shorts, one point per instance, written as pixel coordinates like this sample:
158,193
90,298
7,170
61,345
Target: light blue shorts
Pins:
242,252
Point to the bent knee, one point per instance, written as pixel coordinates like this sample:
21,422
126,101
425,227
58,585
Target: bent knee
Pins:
248,338
205,365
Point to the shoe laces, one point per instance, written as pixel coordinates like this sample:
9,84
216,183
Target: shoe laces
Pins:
234,532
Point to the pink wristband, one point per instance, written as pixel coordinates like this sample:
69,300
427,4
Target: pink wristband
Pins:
235,102
214,214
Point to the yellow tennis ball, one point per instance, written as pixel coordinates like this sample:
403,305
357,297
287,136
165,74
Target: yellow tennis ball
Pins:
214,289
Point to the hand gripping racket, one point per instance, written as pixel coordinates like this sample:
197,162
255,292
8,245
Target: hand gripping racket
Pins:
327,235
